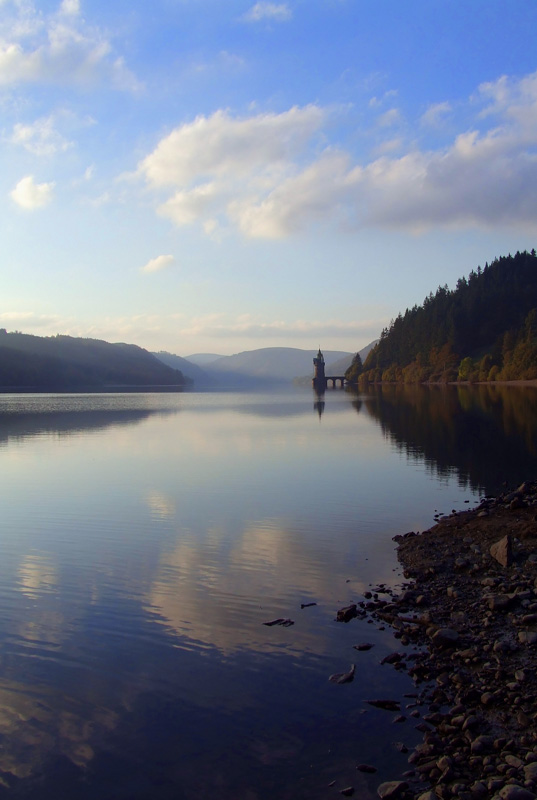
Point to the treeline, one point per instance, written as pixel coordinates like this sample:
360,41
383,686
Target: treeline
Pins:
66,363
483,330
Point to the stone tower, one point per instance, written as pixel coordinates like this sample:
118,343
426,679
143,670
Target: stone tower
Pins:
319,379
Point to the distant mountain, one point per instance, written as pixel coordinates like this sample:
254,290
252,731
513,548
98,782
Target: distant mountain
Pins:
203,358
269,365
190,370
66,363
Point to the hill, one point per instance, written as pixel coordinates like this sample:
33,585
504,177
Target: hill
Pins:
203,358
341,366
484,329
267,366
66,363
189,369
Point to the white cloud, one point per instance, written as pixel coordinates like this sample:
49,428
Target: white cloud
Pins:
214,160
312,195
22,320
70,7
221,145
274,12
31,195
41,137
215,327
389,146
59,48
435,114
157,264
266,176
389,118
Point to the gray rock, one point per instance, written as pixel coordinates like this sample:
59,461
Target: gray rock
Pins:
470,722
498,602
483,744
515,792
479,789
502,551
343,677
527,637
391,790
445,637
513,761
347,613
530,771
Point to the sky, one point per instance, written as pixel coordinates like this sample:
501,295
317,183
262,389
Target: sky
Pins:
225,175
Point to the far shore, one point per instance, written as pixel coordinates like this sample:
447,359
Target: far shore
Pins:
532,382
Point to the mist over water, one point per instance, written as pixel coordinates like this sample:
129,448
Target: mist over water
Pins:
146,538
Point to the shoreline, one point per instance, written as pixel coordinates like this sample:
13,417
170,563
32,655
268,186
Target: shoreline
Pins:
515,382
470,618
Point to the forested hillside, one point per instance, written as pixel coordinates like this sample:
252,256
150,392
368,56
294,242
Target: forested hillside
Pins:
485,329
65,363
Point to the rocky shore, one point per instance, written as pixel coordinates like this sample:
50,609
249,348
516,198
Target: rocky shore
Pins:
470,607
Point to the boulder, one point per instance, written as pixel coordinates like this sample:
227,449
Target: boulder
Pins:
391,790
445,637
515,792
502,551
347,613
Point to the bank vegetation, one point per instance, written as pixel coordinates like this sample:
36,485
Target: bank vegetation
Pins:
483,330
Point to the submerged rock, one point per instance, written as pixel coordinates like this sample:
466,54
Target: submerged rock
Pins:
347,613
343,677
391,790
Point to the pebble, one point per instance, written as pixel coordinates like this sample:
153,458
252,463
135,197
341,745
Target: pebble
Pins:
475,635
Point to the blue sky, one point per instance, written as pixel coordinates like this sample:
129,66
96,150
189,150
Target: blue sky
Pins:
208,176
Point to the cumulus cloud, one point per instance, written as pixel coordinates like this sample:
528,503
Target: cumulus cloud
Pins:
31,195
269,176
274,12
221,145
58,48
214,160
158,264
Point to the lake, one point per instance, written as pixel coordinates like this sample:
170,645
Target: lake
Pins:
146,538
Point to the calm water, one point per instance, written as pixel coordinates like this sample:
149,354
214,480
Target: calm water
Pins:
145,539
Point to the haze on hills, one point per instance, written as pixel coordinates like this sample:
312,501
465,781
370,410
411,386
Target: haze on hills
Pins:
66,363
261,367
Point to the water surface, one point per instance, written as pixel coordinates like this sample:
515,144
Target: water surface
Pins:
146,538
